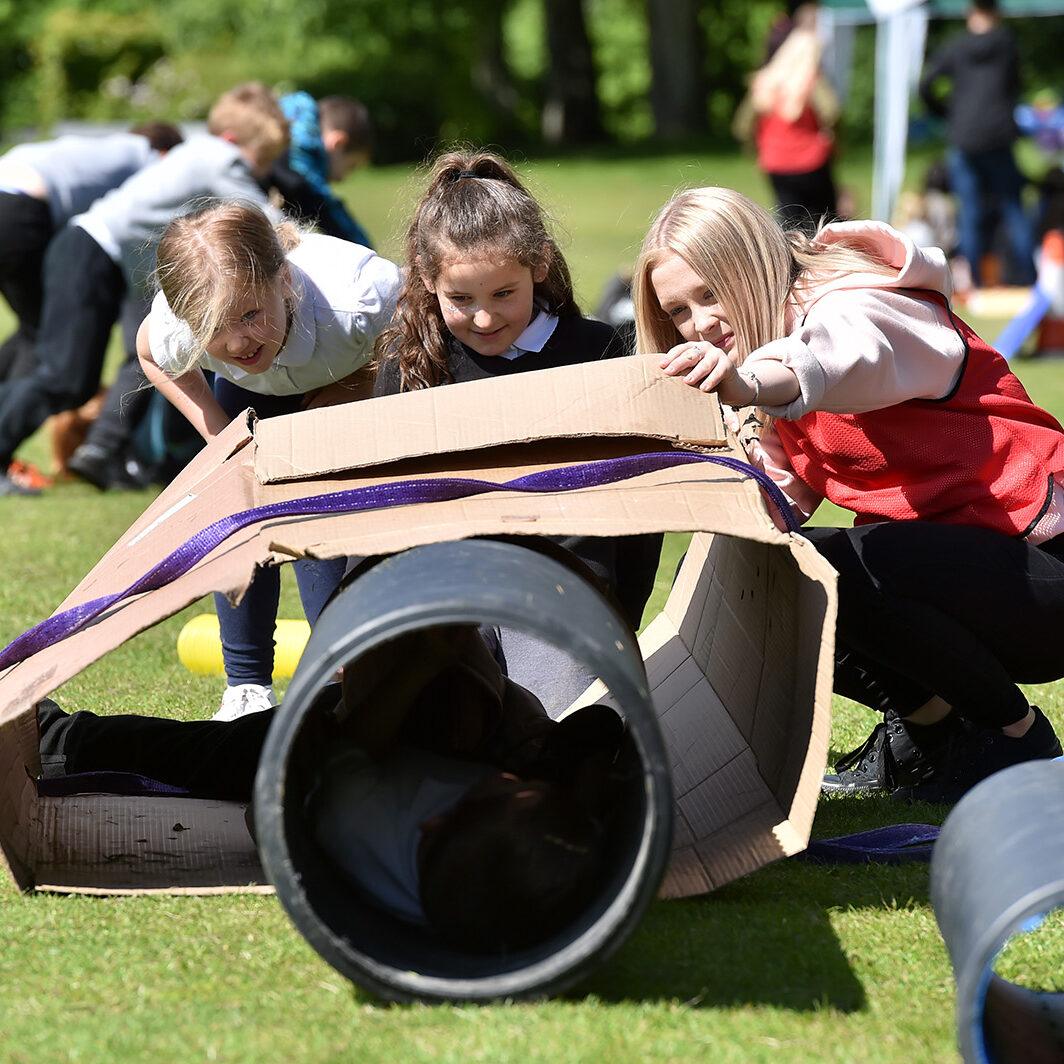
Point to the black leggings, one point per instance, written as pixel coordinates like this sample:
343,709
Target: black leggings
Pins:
932,609
25,230
210,759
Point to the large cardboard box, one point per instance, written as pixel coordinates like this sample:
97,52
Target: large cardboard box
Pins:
740,659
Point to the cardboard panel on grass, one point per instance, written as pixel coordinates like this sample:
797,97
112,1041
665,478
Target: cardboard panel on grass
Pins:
739,660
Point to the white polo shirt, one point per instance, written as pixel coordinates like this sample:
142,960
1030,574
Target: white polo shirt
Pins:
344,296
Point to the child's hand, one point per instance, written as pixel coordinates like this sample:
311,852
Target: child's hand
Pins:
710,369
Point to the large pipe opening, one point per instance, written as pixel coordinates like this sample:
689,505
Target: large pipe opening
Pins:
414,596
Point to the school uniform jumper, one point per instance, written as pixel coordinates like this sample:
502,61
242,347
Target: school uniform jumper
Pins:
623,566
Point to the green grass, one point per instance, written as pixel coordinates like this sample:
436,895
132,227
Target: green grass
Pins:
793,963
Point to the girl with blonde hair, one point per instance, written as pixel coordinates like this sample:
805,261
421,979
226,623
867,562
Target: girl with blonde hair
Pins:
285,321
859,384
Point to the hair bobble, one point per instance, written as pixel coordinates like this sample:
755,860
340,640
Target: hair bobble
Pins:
465,173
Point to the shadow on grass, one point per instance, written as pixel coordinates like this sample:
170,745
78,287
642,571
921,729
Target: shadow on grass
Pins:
768,939
721,951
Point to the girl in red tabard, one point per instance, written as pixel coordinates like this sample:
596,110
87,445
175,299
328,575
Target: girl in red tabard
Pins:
787,117
861,386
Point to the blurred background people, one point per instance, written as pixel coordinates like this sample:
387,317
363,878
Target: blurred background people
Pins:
982,67
787,116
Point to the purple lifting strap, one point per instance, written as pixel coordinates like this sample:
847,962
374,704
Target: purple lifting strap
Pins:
375,496
893,844
108,782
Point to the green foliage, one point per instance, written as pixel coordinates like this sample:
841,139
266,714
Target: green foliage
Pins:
1038,40
735,46
412,67
858,114
414,63
619,36
84,59
17,28
418,64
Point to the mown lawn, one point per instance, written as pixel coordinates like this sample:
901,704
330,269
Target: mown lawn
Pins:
794,963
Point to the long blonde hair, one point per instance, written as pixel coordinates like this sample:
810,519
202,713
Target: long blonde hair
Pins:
209,258
475,206
736,247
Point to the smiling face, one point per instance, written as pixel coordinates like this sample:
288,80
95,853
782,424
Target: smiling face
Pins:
690,306
486,303
254,331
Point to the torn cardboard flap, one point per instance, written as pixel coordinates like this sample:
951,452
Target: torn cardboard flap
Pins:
740,663
739,660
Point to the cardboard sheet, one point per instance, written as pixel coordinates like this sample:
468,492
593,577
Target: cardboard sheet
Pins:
739,659
489,413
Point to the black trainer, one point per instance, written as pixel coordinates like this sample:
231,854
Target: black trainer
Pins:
980,752
890,757
108,472
92,464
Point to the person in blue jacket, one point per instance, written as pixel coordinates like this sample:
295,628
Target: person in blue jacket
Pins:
329,139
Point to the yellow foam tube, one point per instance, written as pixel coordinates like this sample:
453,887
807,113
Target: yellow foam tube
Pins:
199,646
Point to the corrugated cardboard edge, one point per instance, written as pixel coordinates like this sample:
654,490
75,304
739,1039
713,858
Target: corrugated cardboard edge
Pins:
746,777
491,413
686,498
746,772
146,845
19,764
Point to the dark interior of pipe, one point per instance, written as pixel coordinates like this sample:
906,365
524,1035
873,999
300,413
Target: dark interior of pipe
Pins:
368,933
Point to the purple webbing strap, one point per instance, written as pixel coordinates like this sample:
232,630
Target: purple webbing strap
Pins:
108,782
374,496
892,844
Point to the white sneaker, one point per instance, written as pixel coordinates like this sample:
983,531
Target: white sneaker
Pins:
244,698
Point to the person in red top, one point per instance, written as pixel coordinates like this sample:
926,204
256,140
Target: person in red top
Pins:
858,384
788,116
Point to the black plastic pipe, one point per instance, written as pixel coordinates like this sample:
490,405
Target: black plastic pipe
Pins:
997,867
476,581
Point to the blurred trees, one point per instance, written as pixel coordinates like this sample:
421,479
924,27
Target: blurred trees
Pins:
517,73
678,79
571,112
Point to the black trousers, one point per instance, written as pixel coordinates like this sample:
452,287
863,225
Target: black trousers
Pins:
83,291
462,705
210,759
130,394
932,609
804,199
25,231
